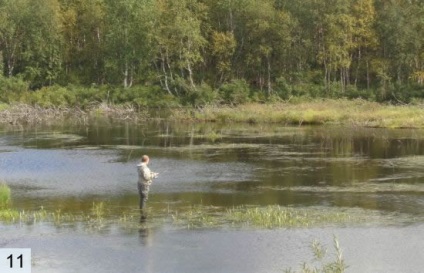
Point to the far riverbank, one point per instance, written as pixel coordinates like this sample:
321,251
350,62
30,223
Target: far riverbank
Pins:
318,112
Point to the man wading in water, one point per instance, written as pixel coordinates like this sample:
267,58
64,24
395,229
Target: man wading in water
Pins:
145,177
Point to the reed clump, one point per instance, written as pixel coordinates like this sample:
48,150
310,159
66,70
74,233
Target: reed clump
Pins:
286,217
198,217
320,264
6,214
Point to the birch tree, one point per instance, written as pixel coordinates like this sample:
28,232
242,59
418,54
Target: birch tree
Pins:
129,24
30,39
179,40
84,47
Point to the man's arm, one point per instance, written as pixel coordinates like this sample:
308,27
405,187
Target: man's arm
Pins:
149,175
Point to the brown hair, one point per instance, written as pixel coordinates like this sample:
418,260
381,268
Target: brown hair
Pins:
144,158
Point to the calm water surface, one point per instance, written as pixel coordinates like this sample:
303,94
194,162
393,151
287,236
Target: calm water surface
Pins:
67,168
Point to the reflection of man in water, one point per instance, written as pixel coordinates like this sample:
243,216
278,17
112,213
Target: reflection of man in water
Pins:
145,232
145,177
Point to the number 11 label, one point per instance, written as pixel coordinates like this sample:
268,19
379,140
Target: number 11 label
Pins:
15,260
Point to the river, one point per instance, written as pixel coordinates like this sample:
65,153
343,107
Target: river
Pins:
358,171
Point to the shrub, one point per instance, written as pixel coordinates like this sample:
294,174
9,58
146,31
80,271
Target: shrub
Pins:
11,89
152,96
88,96
307,90
51,96
201,96
405,93
235,92
352,92
283,88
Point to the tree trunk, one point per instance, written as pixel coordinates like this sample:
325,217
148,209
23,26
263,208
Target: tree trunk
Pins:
368,75
165,74
190,75
190,71
126,75
269,75
357,66
10,59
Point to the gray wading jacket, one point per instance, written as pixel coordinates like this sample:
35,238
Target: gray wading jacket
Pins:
145,175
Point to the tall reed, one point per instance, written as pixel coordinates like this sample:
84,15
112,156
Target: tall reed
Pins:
321,264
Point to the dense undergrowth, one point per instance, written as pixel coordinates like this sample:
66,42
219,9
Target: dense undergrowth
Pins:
232,102
15,90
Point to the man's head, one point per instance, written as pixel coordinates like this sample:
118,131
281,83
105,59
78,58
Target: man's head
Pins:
145,159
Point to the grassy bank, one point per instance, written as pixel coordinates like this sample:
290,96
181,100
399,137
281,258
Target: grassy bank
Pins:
317,112
343,112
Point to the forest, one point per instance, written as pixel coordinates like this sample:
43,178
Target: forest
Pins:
198,52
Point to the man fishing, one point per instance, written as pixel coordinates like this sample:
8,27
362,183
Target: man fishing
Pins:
145,177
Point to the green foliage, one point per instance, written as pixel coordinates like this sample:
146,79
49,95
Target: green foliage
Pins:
11,89
223,47
201,96
30,39
53,96
235,92
283,88
72,96
347,48
129,24
143,96
405,93
352,92
83,38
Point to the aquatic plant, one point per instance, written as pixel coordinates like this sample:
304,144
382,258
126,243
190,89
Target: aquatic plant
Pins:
100,217
5,195
8,215
320,264
279,217
198,216
98,211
